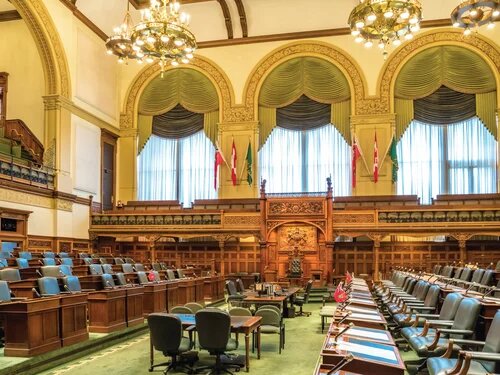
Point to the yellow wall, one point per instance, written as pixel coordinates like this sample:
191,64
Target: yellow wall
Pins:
19,57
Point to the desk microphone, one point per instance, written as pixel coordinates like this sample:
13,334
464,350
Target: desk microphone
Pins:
344,306
41,262
344,361
350,325
36,293
344,318
61,273
129,282
489,291
472,285
39,273
67,289
109,284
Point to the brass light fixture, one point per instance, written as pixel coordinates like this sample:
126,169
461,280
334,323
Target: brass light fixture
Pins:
385,22
161,35
475,13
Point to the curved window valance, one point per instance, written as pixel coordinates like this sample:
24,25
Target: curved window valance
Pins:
177,123
456,68
186,87
313,77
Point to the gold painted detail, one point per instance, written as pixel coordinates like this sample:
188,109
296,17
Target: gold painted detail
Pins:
63,205
26,199
353,218
295,208
39,243
291,236
242,220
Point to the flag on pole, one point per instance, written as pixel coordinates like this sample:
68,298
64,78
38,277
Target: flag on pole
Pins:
348,277
340,295
356,154
375,160
219,158
249,164
394,158
233,164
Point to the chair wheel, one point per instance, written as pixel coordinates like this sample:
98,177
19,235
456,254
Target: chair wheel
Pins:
237,370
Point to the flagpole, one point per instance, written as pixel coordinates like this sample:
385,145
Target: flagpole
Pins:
387,151
361,152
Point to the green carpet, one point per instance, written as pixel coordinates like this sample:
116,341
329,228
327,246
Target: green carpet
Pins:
303,345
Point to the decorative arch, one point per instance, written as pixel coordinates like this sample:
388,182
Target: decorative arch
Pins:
207,67
476,43
50,47
281,223
336,56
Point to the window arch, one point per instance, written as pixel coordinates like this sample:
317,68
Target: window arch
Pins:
177,124
299,102
446,124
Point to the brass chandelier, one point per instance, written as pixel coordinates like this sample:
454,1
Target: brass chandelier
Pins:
474,13
161,35
385,22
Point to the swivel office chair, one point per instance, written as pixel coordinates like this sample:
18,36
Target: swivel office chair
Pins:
214,335
166,336
302,300
232,295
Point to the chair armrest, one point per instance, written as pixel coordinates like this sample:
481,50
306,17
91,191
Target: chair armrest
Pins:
437,323
464,332
484,356
469,342
422,308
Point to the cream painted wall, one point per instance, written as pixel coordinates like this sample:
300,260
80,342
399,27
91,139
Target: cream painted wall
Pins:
86,166
19,57
80,221
41,221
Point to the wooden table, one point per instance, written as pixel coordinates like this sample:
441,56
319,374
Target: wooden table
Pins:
73,317
107,310
252,298
134,305
240,324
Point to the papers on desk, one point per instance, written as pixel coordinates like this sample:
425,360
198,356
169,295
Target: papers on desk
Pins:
361,310
362,301
365,317
370,350
367,334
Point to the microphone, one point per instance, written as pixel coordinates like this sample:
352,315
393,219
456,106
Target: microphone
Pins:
344,361
344,318
61,273
489,291
39,273
472,285
41,262
346,328
36,293
344,305
108,284
129,282
67,289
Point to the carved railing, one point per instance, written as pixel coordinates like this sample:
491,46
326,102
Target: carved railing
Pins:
438,216
25,173
18,131
161,219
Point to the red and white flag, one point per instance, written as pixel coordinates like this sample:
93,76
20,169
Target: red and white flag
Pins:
375,160
356,154
340,295
219,158
348,277
233,163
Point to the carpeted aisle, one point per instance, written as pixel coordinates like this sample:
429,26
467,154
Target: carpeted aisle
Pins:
303,345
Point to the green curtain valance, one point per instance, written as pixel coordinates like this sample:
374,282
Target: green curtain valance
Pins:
457,68
303,114
445,106
318,80
188,87
183,86
177,123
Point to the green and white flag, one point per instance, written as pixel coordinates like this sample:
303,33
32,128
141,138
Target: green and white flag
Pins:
249,164
394,158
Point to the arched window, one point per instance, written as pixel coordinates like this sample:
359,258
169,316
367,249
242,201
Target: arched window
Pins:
304,109
177,122
446,124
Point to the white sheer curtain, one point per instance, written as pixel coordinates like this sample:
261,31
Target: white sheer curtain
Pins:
452,159
182,169
300,161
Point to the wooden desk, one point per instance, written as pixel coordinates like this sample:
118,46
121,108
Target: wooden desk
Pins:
155,298
23,288
186,291
107,310
369,357
199,290
322,369
134,305
73,317
240,324
172,294
280,300
31,326
376,321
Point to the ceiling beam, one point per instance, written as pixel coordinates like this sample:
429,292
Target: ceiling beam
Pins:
9,15
227,18
243,17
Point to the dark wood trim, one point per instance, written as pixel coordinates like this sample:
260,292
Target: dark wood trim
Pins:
70,4
10,15
243,17
141,4
227,18
302,35
110,139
